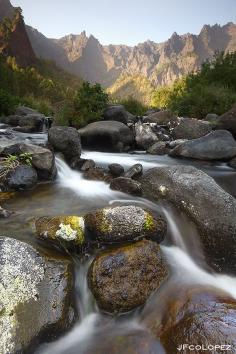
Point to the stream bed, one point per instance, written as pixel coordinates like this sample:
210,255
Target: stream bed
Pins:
71,194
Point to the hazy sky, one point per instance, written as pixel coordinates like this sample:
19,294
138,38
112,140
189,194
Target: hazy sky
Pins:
125,21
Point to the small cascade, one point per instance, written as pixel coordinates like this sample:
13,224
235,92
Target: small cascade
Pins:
74,180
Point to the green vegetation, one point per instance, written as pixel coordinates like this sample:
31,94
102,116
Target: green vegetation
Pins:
133,106
135,86
211,90
11,162
42,87
86,105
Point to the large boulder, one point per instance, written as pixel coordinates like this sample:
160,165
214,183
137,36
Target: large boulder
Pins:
125,223
191,128
35,296
65,140
217,145
126,185
144,136
42,159
227,121
197,318
118,113
162,118
107,136
123,279
210,207
67,232
22,177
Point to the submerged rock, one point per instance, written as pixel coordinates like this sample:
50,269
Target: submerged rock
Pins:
125,223
65,140
22,177
126,185
65,231
5,213
116,170
218,145
123,279
127,340
107,136
97,174
210,207
35,296
191,128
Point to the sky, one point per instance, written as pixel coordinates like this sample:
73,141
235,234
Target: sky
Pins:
125,21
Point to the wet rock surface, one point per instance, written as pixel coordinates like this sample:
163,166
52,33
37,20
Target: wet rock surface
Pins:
126,185
218,145
125,223
116,170
67,232
210,207
35,296
22,177
196,316
134,342
124,278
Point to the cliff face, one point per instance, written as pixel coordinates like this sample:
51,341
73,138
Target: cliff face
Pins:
161,63
14,40
6,9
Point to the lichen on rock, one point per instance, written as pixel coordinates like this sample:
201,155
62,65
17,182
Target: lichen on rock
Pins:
125,223
61,229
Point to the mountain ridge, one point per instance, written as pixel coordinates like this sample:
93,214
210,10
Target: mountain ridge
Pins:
160,63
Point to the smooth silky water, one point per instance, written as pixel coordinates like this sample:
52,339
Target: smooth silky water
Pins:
72,194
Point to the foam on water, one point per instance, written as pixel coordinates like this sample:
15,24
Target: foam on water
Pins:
74,180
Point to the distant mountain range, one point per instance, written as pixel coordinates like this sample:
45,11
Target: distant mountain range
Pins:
160,63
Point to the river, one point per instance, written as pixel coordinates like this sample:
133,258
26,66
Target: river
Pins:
72,194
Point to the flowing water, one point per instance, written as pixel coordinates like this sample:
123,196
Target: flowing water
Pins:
72,194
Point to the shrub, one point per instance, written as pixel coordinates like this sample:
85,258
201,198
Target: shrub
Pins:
211,90
8,102
89,104
134,106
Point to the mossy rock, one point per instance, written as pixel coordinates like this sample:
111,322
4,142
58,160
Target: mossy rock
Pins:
65,231
123,278
125,223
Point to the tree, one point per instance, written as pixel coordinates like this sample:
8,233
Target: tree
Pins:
89,104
